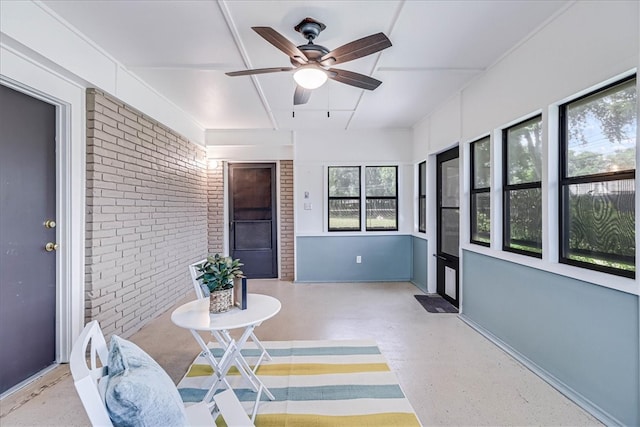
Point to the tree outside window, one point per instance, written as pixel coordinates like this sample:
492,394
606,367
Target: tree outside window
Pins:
597,176
344,198
381,186
481,192
522,172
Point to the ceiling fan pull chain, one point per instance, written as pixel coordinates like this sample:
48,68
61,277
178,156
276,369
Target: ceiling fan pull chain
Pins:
328,101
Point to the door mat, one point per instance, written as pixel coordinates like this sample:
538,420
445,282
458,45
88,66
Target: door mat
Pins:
315,383
436,304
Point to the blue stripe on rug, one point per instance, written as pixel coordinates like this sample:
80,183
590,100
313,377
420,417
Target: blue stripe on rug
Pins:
329,392
305,351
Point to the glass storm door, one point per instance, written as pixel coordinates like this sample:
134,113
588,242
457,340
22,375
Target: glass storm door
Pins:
252,211
448,225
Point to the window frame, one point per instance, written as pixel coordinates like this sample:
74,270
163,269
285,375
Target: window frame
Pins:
367,198
359,199
422,196
474,191
508,188
564,182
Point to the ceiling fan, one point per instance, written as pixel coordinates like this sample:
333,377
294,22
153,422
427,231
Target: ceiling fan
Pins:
313,63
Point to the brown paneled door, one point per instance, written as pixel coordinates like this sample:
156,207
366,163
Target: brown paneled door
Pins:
27,225
448,223
252,212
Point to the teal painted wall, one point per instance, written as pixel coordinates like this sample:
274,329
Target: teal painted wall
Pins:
419,265
333,258
585,335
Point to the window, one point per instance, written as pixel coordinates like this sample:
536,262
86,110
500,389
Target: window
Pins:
481,192
381,184
344,198
422,197
597,179
522,198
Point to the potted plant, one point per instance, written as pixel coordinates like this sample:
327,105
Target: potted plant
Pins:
217,274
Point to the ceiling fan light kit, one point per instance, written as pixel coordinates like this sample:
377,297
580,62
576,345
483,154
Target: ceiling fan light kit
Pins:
310,77
312,63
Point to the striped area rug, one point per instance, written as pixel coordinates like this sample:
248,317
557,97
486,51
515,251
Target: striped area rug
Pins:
316,384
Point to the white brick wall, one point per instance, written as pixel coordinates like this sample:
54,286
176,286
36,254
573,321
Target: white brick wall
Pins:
146,215
216,209
287,238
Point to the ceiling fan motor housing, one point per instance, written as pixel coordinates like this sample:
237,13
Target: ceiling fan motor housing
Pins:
310,28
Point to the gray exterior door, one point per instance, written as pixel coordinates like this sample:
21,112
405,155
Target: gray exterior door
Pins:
252,212
27,270
448,223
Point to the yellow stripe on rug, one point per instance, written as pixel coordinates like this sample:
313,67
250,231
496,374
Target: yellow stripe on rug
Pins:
297,369
397,419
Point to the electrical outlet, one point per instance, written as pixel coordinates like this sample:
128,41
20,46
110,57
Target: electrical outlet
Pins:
358,259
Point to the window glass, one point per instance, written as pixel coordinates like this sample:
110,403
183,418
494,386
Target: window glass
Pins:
344,214
523,188
381,181
524,152
602,132
381,214
422,197
344,198
525,220
381,186
344,181
480,220
598,145
601,223
481,163
481,225
450,185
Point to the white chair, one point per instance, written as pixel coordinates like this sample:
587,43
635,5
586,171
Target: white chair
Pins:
225,337
90,377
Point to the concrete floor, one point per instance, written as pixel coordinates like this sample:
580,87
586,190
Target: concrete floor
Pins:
451,374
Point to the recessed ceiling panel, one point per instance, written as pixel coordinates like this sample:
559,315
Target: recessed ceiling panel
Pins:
422,92
213,100
143,33
462,34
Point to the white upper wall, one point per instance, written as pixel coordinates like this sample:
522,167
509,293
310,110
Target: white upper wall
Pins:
315,150
585,45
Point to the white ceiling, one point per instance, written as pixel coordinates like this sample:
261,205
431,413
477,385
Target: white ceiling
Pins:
183,48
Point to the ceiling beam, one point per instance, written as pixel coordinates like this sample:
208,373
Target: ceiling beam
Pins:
224,8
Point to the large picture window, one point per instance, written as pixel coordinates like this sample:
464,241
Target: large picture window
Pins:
381,187
344,198
597,178
481,192
522,184
422,197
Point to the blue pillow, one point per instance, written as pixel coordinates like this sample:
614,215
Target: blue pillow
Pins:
139,392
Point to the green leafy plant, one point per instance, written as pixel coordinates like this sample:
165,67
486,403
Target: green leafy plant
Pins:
218,272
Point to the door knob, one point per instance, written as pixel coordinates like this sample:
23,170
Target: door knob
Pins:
50,247
50,223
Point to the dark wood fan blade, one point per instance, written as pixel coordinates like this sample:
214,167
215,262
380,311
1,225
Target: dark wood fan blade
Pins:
282,43
356,49
258,71
353,79
301,95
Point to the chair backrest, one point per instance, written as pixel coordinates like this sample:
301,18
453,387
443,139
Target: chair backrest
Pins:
194,281
87,377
